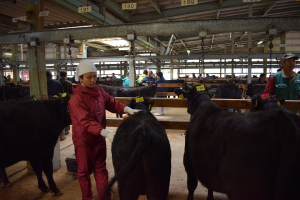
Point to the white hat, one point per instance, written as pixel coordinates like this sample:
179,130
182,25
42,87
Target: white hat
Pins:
84,67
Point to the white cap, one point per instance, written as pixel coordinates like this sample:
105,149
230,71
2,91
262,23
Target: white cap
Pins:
84,67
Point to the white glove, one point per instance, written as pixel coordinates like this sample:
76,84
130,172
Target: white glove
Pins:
131,111
109,135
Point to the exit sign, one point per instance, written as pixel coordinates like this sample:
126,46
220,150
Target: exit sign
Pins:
188,2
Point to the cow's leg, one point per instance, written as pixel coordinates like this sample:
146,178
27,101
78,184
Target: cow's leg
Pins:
210,195
37,168
48,170
192,181
126,192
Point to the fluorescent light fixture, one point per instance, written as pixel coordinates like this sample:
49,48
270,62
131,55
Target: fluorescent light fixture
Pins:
260,42
188,52
124,49
8,54
76,27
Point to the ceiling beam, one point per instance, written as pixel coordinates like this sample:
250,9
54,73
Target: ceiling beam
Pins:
163,57
188,27
201,7
268,8
156,7
116,9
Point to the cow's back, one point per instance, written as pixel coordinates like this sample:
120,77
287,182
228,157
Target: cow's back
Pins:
226,149
142,140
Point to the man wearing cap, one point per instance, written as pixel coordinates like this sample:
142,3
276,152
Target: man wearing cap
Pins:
285,83
87,110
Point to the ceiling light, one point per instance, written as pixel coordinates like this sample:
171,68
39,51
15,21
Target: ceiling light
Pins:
124,49
260,42
188,52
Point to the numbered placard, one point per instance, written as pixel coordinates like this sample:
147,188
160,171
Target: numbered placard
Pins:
138,100
128,6
250,1
15,19
44,13
282,45
200,88
85,9
188,2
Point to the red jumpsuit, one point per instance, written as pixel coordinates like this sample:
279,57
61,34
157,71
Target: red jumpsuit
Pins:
87,109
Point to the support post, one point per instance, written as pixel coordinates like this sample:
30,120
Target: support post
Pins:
158,66
37,65
83,49
65,51
250,48
14,50
58,56
282,42
265,60
132,64
1,68
171,73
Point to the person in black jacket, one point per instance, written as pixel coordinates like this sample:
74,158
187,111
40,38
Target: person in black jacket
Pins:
262,79
67,85
54,87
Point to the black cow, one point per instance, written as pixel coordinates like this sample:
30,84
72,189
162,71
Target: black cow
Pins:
30,131
248,156
255,89
17,93
172,89
148,91
141,155
111,90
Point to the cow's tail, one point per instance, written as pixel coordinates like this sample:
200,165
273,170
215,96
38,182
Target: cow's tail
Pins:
143,143
288,159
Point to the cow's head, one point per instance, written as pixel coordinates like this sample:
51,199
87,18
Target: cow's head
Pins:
192,93
142,103
265,102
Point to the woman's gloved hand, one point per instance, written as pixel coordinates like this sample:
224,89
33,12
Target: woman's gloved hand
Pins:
109,135
131,111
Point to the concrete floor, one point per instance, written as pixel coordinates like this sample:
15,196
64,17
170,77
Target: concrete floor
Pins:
25,184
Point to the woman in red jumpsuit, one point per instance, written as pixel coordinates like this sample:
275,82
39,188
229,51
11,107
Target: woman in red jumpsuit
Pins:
87,110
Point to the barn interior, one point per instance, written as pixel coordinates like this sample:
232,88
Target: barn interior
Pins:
228,39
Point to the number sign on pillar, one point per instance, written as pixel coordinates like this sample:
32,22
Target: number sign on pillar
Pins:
128,6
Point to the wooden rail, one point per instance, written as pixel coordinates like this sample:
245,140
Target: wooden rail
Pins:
223,103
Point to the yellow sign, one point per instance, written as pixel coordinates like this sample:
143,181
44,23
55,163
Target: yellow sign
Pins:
15,19
188,2
44,13
128,6
249,1
200,88
278,103
64,94
181,96
85,9
141,99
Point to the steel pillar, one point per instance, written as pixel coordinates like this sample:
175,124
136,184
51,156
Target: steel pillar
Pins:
132,64
282,42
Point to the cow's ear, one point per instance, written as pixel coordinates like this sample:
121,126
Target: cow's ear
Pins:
151,104
181,93
281,100
254,101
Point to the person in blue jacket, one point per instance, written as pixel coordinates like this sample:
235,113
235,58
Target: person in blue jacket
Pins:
126,80
160,79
